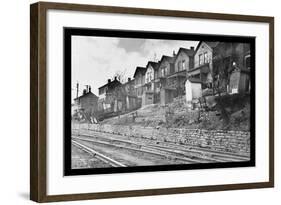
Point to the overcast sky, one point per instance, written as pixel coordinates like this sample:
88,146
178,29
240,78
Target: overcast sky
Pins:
95,59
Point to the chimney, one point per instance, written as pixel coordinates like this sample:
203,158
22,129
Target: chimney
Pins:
192,48
109,80
84,92
129,79
89,89
174,53
115,78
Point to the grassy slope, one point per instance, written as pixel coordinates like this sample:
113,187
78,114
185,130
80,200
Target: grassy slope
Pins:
177,115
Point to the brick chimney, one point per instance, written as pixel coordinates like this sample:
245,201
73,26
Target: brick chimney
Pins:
109,81
84,92
192,48
129,79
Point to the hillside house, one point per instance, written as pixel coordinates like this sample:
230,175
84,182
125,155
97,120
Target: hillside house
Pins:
139,76
108,93
151,68
132,101
166,68
129,87
150,89
203,64
86,103
183,63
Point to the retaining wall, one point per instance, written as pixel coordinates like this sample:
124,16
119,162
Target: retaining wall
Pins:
220,140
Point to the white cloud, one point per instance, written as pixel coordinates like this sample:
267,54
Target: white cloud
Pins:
164,47
95,59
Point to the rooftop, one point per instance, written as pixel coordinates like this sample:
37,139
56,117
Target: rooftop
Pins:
86,95
189,52
111,84
211,44
168,58
142,70
154,65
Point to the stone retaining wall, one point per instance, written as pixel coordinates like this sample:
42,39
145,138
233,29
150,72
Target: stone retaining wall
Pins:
220,140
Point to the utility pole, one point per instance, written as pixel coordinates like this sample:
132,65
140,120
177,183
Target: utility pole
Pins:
77,89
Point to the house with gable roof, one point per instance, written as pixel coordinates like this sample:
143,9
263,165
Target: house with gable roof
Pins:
87,103
184,61
139,77
108,93
166,67
203,63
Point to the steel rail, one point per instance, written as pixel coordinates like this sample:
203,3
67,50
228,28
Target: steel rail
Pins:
149,150
98,155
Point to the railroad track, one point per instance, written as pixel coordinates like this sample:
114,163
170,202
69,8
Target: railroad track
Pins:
98,155
184,152
142,149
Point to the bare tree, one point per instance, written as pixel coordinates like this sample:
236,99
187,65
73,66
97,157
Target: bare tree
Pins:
121,76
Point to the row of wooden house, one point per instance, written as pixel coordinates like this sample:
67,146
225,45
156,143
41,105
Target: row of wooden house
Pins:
213,66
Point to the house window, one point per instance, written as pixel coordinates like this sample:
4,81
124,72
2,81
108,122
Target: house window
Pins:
166,71
147,76
163,72
201,59
150,72
183,65
179,66
172,68
248,61
151,75
206,59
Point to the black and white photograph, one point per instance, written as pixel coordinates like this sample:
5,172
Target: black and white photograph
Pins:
152,101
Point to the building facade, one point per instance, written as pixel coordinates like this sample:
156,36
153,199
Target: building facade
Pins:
183,63
108,93
203,64
86,103
151,69
129,87
132,102
211,68
139,76
151,84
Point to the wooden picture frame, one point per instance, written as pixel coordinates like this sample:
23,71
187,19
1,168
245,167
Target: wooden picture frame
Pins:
39,111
